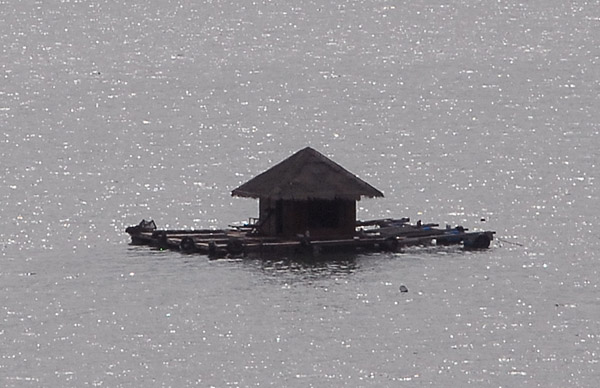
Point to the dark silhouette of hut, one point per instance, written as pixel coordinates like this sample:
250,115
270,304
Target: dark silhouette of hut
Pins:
307,192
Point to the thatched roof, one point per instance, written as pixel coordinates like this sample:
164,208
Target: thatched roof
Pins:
307,174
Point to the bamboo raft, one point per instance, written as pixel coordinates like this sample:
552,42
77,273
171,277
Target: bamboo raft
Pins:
389,235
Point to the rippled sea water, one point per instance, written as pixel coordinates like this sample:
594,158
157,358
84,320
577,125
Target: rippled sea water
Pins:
463,112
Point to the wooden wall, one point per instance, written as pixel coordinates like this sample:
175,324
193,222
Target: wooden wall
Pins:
321,218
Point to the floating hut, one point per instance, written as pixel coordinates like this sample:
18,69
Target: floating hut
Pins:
307,203
307,194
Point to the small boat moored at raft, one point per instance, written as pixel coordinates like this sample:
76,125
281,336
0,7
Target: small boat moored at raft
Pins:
307,203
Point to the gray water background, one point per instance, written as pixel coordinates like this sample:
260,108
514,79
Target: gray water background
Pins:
480,113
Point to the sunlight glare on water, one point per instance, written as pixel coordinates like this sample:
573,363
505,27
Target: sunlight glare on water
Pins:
471,113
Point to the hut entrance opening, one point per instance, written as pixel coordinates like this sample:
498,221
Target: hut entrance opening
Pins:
323,214
321,218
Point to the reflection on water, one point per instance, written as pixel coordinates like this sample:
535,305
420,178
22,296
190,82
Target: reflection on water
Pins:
309,268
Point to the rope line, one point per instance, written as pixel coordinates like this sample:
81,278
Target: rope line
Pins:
510,242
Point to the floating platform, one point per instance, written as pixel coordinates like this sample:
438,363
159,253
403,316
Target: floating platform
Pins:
389,235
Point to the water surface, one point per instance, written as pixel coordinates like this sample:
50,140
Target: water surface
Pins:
467,113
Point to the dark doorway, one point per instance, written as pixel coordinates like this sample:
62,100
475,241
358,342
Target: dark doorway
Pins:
323,214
